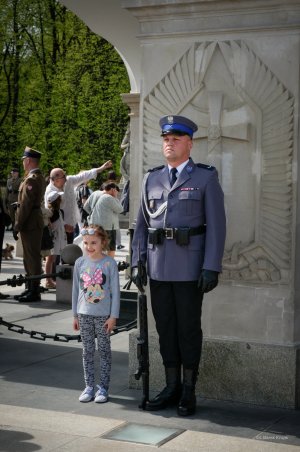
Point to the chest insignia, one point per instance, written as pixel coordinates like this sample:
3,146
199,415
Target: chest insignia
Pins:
189,188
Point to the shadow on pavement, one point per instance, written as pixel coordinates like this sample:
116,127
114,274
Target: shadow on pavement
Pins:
15,441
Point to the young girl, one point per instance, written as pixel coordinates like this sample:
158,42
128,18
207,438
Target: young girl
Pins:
95,305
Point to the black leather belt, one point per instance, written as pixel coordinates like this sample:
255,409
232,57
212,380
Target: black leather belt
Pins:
171,233
181,235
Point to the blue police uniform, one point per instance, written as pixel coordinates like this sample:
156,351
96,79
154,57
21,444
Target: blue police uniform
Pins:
180,231
195,200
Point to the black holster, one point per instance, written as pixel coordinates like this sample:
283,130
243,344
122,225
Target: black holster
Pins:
156,236
183,236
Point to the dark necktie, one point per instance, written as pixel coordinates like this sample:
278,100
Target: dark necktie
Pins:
173,174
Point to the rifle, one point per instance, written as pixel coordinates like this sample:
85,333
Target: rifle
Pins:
142,341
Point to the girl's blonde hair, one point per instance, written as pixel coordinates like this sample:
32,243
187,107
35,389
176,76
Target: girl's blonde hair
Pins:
99,232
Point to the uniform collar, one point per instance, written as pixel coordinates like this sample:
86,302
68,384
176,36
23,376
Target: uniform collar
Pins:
179,167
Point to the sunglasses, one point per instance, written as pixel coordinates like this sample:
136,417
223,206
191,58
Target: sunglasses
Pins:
90,231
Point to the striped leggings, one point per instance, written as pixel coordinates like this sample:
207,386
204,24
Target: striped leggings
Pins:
91,327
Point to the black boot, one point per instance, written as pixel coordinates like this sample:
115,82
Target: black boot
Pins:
25,292
187,404
32,295
170,394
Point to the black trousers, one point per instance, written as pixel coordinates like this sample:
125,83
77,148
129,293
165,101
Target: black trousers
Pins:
177,308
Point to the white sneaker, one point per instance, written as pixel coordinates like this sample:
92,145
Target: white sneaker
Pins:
87,395
101,395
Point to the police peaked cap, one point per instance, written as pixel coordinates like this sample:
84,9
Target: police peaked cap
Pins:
177,125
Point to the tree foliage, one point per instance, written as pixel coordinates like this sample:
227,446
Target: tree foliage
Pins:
60,87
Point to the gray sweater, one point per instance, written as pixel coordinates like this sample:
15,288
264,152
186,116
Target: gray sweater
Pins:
106,212
96,287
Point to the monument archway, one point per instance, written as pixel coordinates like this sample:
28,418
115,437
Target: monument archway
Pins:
109,19
233,67
115,24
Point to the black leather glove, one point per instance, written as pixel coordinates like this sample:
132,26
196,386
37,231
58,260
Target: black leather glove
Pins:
139,280
208,280
15,235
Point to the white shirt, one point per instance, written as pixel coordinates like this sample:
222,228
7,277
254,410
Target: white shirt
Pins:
68,204
179,167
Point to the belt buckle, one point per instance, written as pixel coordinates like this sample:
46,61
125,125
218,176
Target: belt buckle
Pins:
169,233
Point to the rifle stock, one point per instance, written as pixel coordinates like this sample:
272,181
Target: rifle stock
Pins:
143,344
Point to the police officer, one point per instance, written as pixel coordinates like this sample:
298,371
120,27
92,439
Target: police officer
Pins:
180,234
29,222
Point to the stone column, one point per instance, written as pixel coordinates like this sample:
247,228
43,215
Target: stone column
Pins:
136,177
136,174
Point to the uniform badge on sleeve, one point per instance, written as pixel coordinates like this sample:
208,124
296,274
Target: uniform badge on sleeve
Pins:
29,187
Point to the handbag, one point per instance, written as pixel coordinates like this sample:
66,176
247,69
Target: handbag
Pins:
47,239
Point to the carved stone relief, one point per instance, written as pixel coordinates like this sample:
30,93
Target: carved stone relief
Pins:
245,118
125,160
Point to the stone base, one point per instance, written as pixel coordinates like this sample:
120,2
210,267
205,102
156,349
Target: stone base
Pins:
244,372
64,286
124,221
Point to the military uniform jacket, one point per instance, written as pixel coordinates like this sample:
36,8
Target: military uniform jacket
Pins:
12,189
31,192
195,199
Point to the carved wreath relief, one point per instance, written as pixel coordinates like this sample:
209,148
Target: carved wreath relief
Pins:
245,120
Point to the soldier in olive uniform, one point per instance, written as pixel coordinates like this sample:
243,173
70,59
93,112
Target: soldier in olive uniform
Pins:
180,234
29,221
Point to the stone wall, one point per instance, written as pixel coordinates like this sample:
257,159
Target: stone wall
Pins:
233,68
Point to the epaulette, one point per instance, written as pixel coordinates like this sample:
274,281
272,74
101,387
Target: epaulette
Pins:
156,168
31,176
208,167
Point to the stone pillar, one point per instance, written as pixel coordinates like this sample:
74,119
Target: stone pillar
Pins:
64,286
69,255
133,102
233,68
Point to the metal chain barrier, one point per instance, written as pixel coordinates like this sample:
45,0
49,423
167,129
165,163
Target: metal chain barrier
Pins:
59,337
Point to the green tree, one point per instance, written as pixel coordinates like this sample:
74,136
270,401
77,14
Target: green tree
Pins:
60,87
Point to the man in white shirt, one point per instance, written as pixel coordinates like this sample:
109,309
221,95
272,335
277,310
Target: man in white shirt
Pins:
59,181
